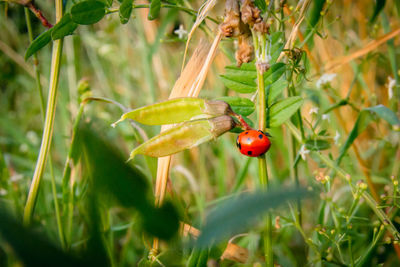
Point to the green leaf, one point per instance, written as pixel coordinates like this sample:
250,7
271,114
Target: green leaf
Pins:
239,85
364,118
239,212
261,5
154,11
198,258
276,45
88,12
274,73
64,27
33,249
115,180
384,113
239,105
317,144
276,88
4,174
246,72
283,110
314,16
380,4
38,43
125,11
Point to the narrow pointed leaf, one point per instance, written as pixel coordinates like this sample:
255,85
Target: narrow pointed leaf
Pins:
37,44
239,105
274,73
238,84
283,110
364,118
125,185
88,12
64,27
125,11
154,11
276,88
238,213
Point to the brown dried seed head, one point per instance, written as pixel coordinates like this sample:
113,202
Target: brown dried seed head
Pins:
217,107
261,27
222,124
250,14
230,27
244,53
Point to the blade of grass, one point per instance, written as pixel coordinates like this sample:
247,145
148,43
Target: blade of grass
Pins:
42,109
49,124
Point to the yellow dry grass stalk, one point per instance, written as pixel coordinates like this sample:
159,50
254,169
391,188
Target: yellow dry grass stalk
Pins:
302,6
201,15
340,61
189,84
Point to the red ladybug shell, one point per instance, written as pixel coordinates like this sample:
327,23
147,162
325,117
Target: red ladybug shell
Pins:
253,143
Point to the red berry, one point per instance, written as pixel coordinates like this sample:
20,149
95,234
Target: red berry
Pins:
253,143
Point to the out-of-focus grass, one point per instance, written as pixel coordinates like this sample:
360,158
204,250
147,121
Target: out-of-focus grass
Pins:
137,64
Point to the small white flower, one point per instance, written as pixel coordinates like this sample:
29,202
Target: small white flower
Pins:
391,84
16,177
303,152
3,192
181,32
325,117
325,78
337,137
32,137
24,148
313,111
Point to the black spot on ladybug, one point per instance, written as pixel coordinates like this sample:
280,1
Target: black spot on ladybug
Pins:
249,153
260,136
246,133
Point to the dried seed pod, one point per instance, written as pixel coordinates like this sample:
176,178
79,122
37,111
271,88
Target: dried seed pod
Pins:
184,136
261,27
177,110
250,13
244,53
231,25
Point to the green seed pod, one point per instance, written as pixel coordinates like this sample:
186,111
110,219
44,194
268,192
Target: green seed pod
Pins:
184,136
177,110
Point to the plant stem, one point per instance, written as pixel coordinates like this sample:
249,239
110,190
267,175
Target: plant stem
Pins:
42,110
262,163
48,125
67,184
369,200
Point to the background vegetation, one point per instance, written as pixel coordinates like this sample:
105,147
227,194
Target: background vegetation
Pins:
335,144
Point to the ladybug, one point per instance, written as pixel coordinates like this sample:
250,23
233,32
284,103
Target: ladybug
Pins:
253,143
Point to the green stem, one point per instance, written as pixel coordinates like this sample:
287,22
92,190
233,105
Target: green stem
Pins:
42,109
48,125
35,62
262,163
342,174
292,145
67,186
